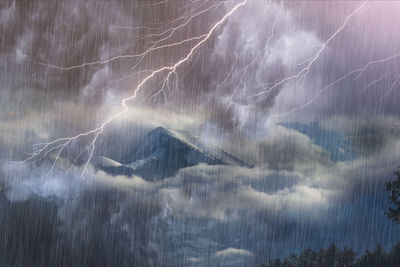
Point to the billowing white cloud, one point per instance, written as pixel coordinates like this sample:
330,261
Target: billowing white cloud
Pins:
233,251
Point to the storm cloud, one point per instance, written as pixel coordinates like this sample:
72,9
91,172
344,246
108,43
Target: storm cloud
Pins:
318,148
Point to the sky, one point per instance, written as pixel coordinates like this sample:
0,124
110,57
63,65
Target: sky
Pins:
305,92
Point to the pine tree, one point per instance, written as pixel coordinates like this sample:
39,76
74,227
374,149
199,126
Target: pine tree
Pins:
393,187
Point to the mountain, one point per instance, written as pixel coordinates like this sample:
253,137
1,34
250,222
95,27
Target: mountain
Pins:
163,152
337,144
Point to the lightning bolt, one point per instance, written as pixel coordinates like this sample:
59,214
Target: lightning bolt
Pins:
359,72
304,71
166,83
172,30
145,53
156,44
396,82
374,82
245,69
115,81
62,143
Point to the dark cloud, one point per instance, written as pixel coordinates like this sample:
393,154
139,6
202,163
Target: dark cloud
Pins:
39,232
296,196
243,58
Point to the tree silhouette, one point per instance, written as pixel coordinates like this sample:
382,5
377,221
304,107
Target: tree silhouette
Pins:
393,187
378,258
334,257
331,255
307,258
346,257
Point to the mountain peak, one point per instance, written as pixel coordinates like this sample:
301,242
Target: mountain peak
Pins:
164,151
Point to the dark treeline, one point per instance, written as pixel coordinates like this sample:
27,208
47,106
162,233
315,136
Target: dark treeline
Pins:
335,257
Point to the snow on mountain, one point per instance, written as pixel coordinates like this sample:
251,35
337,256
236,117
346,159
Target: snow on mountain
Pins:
163,152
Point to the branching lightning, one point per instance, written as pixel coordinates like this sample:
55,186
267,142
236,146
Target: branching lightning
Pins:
304,71
156,44
359,72
168,72
246,68
62,143
394,84
373,82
